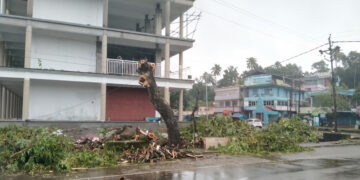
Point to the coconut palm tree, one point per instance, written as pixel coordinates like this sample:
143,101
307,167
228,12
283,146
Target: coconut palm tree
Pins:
215,71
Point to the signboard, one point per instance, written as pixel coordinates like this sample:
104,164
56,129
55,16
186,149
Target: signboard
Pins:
261,79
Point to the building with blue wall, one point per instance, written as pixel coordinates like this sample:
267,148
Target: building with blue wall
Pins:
271,97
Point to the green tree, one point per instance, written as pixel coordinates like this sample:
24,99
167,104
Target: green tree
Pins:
325,100
252,64
215,71
320,66
349,72
207,78
357,95
289,70
230,77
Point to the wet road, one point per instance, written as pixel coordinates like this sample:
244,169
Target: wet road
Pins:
323,163
340,162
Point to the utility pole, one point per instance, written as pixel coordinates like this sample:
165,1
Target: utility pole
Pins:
331,51
291,95
299,96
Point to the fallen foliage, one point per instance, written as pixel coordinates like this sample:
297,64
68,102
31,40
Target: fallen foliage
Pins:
284,136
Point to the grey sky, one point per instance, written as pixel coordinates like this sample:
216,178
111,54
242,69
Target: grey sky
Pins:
273,31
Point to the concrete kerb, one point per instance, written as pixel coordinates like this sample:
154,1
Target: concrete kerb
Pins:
329,144
152,126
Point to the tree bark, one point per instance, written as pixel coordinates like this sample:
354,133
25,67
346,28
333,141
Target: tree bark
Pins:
147,80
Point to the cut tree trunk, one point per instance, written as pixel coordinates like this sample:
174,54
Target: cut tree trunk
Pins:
147,80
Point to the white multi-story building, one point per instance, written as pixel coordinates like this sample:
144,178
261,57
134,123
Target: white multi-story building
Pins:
76,59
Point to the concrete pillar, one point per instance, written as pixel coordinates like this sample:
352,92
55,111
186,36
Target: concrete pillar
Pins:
167,17
11,104
167,94
1,105
3,102
181,95
2,6
105,13
7,105
167,70
104,54
181,105
167,48
158,19
158,58
103,102
30,6
28,39
26,94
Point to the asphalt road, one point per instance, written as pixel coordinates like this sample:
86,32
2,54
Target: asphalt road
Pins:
341,162
335,162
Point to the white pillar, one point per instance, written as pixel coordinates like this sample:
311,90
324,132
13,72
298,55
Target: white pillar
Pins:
158,19
103,102
30,5
167,71
105,13
158,58
2,7
26,94
181,95
3,102
167,49
167,17
104,54
28,39
158,27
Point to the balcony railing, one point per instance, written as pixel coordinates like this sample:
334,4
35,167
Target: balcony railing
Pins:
122,67
128,67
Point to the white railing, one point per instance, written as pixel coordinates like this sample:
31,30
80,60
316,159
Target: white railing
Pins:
127,67
122,67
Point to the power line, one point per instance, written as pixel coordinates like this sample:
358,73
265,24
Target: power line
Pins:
345,41
303,53
259,18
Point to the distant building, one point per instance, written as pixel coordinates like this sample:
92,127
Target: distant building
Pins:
270,96
230,99
317,81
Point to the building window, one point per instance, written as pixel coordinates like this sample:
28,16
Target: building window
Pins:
227,103
252,103
235,103
268,103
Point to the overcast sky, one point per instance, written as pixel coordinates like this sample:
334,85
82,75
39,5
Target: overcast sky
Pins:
230,31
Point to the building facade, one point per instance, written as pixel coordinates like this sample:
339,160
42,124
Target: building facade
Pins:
230,99
77,60
270,97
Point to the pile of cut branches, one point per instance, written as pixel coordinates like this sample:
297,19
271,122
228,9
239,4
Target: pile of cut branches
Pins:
155,151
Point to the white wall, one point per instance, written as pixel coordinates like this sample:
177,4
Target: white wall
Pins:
64,52
74,11
56,100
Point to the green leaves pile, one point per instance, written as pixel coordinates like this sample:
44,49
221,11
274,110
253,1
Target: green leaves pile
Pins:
284,136
37,150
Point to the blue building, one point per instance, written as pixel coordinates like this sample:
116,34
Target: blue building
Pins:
271,97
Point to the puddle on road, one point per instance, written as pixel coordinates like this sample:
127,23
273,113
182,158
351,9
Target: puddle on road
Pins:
297,169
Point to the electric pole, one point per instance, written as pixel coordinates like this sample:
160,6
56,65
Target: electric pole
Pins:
331,53
299,96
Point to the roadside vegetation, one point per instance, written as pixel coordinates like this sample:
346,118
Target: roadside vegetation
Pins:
284,136
42,150
38,150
